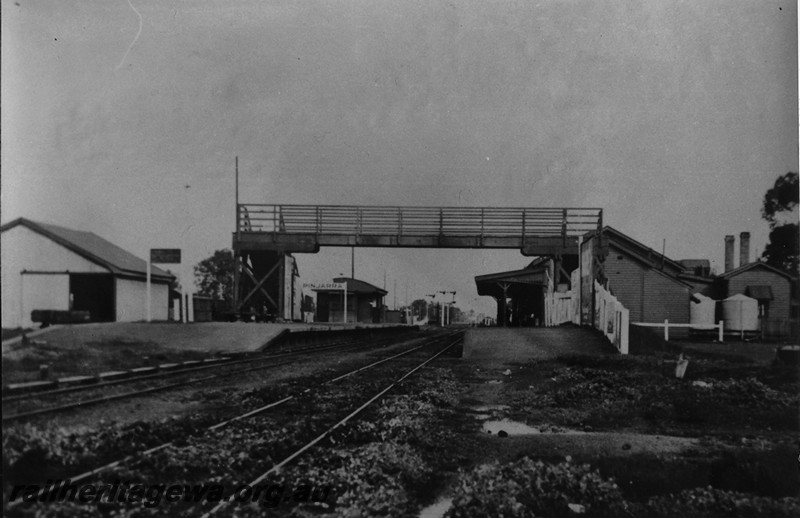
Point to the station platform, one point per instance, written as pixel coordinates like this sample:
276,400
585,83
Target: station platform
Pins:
517,344
211,337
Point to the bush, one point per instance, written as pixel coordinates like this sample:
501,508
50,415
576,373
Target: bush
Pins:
375,479
528,488
716,503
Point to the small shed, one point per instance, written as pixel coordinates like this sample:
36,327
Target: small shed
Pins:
364,302
771,287
50,267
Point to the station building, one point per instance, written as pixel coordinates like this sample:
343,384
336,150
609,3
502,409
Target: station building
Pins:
643,280
520,294
364,303
50,267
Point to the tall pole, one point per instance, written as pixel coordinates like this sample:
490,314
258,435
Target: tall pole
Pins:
235,307
352,262
148,303
345,302
579,287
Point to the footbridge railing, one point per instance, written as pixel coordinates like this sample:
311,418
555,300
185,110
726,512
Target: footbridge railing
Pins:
480,222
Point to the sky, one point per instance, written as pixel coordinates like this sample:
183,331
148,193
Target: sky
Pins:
124,118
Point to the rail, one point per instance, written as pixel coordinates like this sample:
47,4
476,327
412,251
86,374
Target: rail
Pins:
417,221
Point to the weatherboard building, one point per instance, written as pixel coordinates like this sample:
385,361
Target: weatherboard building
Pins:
49,267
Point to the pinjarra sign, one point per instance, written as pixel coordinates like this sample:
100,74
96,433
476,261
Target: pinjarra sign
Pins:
321,286
318,286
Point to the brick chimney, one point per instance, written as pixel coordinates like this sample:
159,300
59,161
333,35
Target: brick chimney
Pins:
744,248
729,241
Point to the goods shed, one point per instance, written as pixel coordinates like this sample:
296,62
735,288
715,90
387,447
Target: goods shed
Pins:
51,267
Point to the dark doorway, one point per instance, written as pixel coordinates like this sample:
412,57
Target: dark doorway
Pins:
93,293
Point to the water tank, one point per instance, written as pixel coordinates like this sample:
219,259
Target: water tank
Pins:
702,312
740,313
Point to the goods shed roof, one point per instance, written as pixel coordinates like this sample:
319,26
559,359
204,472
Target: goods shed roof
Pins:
94,248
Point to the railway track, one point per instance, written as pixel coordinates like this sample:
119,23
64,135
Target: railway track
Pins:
260,360
446,342
452,342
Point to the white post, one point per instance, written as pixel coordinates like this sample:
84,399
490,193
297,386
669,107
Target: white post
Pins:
666,330
741,319
21,320
184,318
190,306
344,310
720,331
148,303
579,287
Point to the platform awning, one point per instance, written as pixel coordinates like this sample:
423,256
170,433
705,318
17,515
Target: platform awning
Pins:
491,284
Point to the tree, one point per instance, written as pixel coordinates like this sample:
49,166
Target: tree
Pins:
783,249
780,210
419,308
214,276
781,199
175,285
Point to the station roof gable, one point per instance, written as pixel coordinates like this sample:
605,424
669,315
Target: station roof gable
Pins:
357,286
755,264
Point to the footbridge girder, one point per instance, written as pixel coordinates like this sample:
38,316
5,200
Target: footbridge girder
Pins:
267,234
306,228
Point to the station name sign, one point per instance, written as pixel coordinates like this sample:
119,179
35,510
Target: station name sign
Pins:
165,255
324,285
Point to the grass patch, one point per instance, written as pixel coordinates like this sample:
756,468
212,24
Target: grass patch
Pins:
642,393
89,358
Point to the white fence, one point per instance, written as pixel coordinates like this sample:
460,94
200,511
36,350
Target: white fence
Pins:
561,308
666,325
611,318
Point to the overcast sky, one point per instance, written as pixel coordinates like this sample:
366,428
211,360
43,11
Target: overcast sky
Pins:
124,118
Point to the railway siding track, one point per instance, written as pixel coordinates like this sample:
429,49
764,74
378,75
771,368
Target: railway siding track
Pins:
148,375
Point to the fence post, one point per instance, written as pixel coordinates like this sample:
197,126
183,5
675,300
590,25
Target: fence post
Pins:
721,338
666,330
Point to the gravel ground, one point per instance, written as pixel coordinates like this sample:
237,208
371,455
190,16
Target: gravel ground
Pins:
580,397
492,346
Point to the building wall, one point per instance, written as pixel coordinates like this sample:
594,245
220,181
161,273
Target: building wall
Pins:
24,249
359,308
781,289
664,299
41,292
649,295
625,280
131,296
